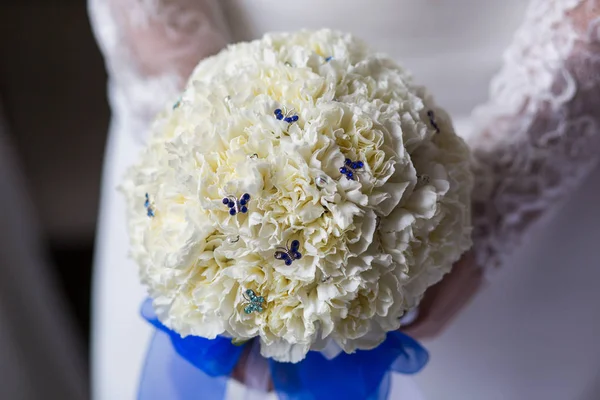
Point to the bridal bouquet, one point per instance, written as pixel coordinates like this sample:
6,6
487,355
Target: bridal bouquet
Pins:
302,193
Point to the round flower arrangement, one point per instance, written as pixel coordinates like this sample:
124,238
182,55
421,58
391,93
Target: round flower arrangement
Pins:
302,190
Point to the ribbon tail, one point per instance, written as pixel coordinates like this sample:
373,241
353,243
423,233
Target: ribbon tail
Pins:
410,356
185,368
167,375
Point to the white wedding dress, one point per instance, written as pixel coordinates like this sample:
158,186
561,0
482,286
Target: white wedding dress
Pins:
532,334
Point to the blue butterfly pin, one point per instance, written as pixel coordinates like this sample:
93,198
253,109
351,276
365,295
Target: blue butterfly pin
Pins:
289,253
350,167
431,117
237,205
148,206
288,117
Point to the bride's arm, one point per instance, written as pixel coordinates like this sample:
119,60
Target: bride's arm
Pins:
150,48
169,36
536,139
539,135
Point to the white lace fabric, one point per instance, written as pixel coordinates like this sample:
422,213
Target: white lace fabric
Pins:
539,134
150,48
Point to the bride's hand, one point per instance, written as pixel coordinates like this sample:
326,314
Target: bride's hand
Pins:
444,301
256,378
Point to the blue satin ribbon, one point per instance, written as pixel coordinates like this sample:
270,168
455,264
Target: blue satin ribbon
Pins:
196,368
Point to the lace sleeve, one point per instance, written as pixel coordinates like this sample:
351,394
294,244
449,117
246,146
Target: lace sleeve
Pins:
150,48
539,135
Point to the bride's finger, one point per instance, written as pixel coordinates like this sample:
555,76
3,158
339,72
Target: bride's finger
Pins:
444,301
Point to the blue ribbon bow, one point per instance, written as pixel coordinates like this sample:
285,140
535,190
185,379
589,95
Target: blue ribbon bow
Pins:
197,368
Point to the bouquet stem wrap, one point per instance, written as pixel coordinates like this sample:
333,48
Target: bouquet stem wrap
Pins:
197,368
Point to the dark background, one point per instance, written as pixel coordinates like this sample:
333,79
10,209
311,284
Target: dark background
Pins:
50,65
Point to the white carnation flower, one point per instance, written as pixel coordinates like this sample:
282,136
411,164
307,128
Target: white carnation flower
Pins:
276,119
